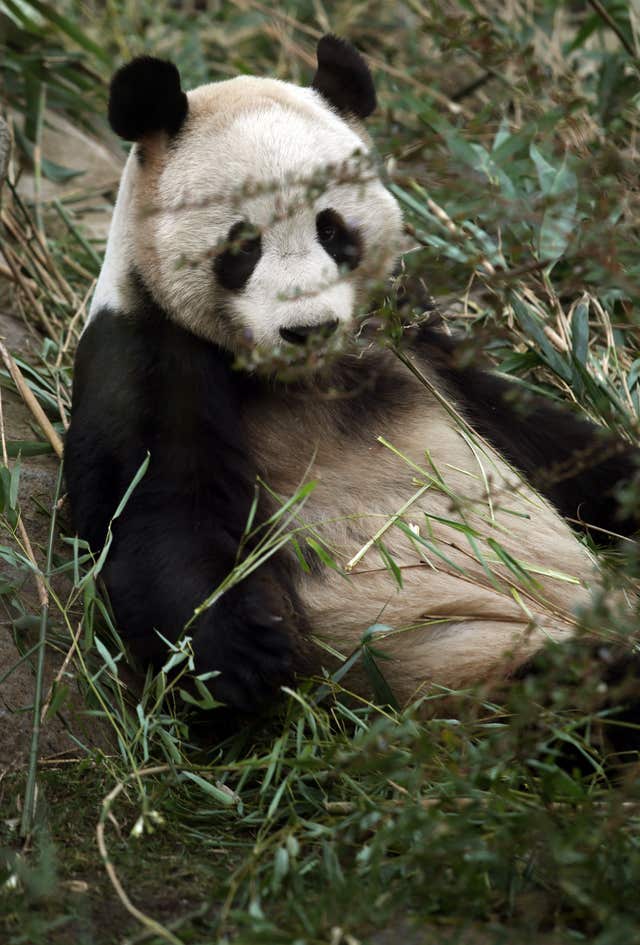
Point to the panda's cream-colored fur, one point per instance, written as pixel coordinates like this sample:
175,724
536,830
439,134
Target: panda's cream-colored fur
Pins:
462,613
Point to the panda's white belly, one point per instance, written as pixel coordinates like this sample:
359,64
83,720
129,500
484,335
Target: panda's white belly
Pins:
488,569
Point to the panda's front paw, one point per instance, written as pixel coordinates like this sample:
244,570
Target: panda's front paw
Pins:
247,638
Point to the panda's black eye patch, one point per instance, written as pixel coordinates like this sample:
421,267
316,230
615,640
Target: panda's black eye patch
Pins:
337,239
239,256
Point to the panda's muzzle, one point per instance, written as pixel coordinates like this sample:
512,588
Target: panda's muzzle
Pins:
300,334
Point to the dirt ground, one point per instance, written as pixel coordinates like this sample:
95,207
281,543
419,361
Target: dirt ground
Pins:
100,166
37,486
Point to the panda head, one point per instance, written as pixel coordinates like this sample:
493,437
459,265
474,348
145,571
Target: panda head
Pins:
251,208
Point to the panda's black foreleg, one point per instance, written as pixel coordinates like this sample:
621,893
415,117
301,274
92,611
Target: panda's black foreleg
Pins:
143,385
161,568
577,465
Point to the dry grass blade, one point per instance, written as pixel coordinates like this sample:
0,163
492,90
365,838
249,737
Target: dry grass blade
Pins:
27,395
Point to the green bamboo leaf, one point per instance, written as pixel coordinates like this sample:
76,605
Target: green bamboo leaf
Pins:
169,745
295,500
59,695
530,322
580,333
453,523
502,135
205,702
430,545
252,511
480,558
512,564
275,801
634,374
27,448
6,489
222,797
295,544
19,14
560,187
106,656
323,554
546,172
97,568
382,691
73,32
389,562
280,865
14,485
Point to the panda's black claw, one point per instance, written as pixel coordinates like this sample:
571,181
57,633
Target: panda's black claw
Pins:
234,696
250,646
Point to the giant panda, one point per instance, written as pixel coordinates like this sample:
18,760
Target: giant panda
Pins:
252,217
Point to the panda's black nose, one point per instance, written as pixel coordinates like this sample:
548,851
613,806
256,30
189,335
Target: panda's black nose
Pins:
298,334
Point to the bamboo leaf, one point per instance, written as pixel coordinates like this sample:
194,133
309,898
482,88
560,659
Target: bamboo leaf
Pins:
73,32
106,655
532,326
580,333
323,554
220,796
381,689
389,562
560,188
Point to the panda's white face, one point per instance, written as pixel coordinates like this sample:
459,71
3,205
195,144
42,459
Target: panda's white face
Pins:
263,219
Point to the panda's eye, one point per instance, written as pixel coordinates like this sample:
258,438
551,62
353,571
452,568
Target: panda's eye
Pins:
326,233
337,239
238,256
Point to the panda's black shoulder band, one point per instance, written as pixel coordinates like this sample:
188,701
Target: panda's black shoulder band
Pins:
146,96
343,78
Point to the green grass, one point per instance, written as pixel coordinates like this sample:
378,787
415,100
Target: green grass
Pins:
510,133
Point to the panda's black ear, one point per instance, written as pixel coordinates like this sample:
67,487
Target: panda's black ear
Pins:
343,78
145,96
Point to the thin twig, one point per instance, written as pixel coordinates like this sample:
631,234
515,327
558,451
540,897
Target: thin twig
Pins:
37,246
15,264
149,923
30,400
75,232
611,23
39,261
47,701
7,273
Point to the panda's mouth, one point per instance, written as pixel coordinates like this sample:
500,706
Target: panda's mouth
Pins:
300,334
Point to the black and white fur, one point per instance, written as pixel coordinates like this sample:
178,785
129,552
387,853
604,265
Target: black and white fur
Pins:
251,213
